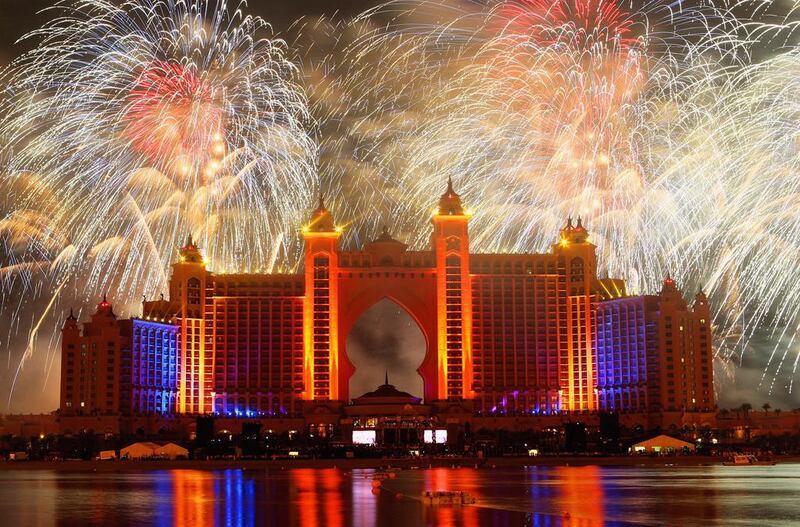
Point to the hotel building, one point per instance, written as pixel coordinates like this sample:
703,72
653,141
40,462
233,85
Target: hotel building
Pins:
506,334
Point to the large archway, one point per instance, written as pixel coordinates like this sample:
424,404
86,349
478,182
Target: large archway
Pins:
414,292
386,338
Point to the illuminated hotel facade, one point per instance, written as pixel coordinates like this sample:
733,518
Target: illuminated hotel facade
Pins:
506,334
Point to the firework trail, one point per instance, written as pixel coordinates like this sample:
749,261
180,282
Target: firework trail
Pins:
650,119
130,126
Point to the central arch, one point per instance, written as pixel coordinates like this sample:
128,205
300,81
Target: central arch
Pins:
386,339
414,292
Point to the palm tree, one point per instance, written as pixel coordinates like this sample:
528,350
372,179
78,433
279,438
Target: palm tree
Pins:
746,407
778,411
766,407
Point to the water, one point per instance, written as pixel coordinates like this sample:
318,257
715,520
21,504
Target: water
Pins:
543,496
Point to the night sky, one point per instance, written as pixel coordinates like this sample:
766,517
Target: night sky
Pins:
18,17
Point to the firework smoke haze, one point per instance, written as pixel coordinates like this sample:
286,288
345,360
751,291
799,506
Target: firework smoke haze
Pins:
670,126
650,119
130,126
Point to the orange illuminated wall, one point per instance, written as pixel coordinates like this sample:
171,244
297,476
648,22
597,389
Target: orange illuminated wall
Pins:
321,375
515,341
511,333
189,290
453,298
577,268
256,325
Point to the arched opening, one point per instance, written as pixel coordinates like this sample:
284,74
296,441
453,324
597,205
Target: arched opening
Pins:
385,338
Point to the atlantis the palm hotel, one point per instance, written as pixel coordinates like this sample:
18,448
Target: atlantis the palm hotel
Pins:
514,341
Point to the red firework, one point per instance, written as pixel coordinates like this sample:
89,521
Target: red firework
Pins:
172,115
581,22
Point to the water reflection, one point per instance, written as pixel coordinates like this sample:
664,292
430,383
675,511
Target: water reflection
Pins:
581,495
547,497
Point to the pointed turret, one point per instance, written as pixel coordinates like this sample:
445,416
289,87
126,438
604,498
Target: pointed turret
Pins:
71,323
450,202
321,218
700,299
189,253
104,308
571,234
320,304
669,284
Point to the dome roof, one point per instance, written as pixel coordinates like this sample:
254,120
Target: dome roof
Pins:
387,394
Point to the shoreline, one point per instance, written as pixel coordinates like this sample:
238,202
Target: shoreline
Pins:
349,464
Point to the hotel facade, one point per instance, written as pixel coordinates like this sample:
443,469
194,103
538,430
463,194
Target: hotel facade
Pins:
521,335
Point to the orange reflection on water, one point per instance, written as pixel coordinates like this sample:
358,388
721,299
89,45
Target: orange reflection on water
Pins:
317,487
304,481
462,479
193,492
331,483
581,497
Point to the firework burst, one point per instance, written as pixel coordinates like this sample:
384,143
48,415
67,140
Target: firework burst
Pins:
647,118
128,127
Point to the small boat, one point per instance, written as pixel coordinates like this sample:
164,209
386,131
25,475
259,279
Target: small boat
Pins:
747,460
447,497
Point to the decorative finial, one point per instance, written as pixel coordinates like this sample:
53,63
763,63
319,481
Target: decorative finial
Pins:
104,299
569,221
579,225
162,297
189,241
386,379
321,200
71,314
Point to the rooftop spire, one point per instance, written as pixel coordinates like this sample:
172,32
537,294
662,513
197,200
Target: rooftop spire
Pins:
386,379
321,218
189,252
450,202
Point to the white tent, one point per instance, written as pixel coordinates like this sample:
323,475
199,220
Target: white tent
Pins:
171,451
141,450
660,445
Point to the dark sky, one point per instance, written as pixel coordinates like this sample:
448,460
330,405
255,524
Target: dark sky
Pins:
18,17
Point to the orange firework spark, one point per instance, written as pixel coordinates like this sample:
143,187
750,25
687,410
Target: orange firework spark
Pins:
173,115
